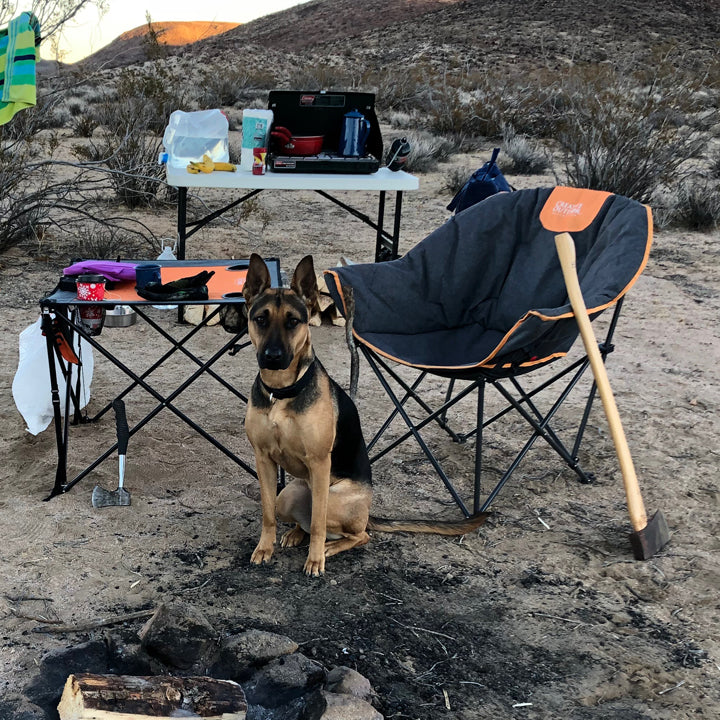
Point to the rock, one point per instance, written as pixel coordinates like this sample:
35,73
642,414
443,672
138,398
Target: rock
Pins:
337,706
346,681
178,634
284,679
240,655
47,686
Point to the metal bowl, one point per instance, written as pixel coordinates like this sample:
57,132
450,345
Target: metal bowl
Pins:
120,316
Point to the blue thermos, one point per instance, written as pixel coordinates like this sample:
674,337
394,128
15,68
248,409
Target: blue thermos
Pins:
354,134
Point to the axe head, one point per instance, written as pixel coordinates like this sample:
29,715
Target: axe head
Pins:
108,498
651,539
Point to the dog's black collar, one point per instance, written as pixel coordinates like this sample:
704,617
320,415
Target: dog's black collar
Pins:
293,390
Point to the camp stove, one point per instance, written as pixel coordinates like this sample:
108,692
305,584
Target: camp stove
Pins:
304,113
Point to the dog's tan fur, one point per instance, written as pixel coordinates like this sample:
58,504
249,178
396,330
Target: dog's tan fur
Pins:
314,435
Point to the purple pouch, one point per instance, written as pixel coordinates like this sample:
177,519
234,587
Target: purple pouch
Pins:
115,271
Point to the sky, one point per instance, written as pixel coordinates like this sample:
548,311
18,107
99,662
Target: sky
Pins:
88,32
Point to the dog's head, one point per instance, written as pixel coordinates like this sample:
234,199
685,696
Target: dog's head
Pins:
278,317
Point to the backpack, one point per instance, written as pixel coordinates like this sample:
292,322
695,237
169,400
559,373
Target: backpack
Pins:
484,182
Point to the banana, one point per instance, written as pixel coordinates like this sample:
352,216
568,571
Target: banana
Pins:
208,166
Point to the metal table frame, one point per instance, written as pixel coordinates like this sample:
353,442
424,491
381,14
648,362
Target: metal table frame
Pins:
382,181
60,314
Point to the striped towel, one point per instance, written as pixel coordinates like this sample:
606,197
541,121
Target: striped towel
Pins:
19,51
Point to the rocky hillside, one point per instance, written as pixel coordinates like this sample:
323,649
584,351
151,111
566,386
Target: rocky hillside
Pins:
477,32
133,46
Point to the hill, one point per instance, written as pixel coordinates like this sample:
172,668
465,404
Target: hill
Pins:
132,46
477,32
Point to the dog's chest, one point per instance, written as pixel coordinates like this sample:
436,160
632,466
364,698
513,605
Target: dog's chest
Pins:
288,438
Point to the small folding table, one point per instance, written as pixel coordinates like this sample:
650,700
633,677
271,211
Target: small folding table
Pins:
62,322
381,182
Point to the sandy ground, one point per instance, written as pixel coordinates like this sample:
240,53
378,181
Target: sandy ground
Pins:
542,613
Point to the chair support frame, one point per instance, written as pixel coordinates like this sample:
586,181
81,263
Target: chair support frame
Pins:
521,401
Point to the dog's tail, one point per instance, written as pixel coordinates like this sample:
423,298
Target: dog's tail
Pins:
437,527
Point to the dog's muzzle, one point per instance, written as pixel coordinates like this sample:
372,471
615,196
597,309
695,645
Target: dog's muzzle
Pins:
274,358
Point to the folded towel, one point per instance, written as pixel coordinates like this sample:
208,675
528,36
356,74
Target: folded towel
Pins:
19,51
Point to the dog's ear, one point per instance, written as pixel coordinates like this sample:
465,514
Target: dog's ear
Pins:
304,283
257,279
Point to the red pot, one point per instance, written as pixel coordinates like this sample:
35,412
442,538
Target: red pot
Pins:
289,144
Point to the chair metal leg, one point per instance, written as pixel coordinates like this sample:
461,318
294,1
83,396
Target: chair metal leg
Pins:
418,438
522,401
479,446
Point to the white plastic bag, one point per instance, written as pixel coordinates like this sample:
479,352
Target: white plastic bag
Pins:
31,385
190,135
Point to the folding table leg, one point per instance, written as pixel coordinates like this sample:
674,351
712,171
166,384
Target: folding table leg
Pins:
163,402
60,421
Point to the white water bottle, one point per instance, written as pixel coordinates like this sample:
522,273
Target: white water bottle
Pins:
166,254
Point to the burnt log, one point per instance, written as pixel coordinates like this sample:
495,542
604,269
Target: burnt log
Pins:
127,697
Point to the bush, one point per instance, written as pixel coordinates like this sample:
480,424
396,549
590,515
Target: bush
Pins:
27,194
96,240
697,206
84,125
619,137
525,156
456,179
224,87
132,121
426,150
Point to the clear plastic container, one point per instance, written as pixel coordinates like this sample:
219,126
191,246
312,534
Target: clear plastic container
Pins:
190,135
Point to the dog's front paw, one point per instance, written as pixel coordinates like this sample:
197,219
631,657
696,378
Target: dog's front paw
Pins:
313,567
261,554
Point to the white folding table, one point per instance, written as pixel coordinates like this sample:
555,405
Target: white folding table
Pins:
382,181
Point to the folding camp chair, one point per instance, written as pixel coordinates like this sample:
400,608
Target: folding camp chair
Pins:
482,299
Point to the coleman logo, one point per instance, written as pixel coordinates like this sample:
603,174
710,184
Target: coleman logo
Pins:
567,209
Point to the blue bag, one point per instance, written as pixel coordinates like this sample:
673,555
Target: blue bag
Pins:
484,182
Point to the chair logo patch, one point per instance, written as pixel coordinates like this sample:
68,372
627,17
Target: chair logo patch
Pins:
571,209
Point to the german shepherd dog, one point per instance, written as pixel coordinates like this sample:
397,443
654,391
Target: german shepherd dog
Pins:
300,419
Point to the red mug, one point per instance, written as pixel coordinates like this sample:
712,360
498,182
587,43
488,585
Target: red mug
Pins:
91,288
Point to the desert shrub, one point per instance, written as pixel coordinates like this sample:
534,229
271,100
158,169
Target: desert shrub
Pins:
715,166
321,77
97,240
151,93
617,136
697,206
84,125
224,87
76,107
131,122
426,150
524,155
456,178
130,157
27,194
404,92
399,119
151,40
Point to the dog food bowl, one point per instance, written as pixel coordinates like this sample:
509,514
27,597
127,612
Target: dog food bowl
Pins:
120,316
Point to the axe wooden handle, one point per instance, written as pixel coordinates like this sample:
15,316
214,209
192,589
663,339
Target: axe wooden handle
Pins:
566,252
